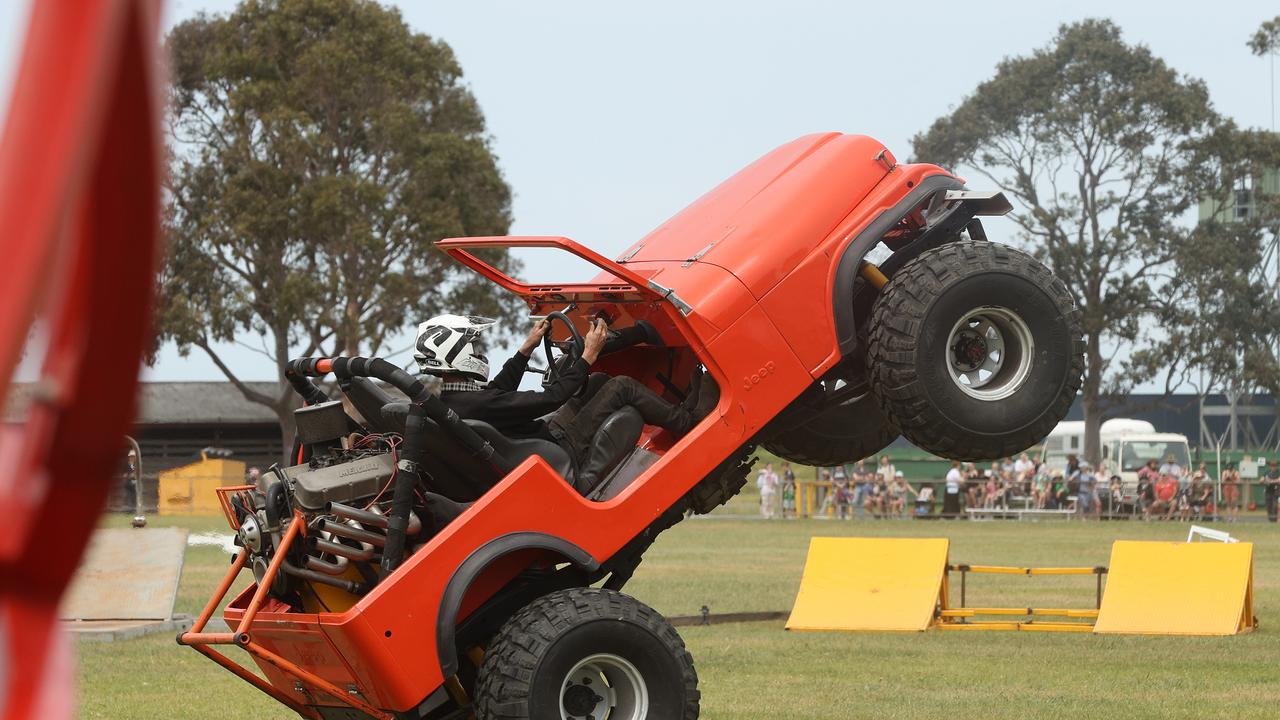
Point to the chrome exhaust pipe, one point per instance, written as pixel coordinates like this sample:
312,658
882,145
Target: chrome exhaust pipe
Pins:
326,567
364,554
352,533
354,588
371,518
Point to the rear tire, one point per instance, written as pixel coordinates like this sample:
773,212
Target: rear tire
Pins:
848,432
976,350
587,652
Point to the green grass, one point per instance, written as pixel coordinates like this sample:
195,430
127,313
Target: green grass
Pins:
757,670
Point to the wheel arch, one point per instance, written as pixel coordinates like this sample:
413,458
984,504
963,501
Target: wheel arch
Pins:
474,566
849,264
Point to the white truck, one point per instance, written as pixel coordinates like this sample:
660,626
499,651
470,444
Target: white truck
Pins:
1127,445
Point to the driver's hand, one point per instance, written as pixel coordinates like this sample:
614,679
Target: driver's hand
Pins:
593,341
539,330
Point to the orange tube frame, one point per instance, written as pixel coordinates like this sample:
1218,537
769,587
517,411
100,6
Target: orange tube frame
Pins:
201,641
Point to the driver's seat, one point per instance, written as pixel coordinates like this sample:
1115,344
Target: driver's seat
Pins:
461,476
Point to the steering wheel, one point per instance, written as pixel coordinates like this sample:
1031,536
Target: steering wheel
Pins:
571,348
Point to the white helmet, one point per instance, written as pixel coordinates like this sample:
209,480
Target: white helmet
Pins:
446,345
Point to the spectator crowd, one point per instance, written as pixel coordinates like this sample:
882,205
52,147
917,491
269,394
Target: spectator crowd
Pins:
1164,491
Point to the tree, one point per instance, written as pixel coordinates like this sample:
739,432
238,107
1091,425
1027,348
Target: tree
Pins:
319,148
1267,39
1220,327
1093,138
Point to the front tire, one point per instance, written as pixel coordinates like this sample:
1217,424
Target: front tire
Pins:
843,433
587,652
976,350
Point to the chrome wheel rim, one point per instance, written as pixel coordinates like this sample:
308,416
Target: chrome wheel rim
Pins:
989,353
604,687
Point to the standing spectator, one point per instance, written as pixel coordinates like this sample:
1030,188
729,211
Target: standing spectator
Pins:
788,491
951,496
861,485
768,484
886,469
1150,472
1086,492
1115,497
1231,491
1271,482
1166,492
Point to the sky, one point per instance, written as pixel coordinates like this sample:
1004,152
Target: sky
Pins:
608,117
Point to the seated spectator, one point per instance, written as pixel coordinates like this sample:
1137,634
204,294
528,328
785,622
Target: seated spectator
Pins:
1115,497
991,490
1146,495
1150,471
924,501
875,503
1023,468
1200,495
1057,492
843,497
898,491
1171,467
1039,486
1166,497
828,494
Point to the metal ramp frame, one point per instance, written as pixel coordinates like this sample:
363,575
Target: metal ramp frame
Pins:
1153,588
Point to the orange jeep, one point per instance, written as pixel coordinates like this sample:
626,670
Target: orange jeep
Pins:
837,298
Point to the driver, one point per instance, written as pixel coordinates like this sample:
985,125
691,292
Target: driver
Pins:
446,347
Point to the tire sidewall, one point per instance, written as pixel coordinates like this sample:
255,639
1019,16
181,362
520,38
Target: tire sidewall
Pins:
1050,365
662,673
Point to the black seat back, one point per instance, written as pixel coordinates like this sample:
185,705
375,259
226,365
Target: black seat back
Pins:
368,399
454,471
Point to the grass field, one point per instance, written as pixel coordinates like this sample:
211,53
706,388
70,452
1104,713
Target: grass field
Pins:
758,670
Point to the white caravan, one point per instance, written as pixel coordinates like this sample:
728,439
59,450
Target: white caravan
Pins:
1127,445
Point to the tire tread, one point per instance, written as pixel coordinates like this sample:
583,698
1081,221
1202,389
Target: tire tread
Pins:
896,320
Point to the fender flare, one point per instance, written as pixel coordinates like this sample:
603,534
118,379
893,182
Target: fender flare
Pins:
475,564
850,261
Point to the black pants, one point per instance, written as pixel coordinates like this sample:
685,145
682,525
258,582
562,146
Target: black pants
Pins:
575,424
951,504
1272,497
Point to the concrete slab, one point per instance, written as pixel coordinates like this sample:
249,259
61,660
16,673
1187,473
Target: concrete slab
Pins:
128,574
112,630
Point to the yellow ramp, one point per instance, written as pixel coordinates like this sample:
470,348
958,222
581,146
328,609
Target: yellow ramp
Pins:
1168,588
870,584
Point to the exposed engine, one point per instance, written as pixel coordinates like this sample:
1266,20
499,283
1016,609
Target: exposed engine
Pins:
343,495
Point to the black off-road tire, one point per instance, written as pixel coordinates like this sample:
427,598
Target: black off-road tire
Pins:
525,667
844,433
910,356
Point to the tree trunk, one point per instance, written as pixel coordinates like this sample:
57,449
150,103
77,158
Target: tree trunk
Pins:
284,414
1091,395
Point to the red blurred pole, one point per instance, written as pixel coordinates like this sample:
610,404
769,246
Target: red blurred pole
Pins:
80,169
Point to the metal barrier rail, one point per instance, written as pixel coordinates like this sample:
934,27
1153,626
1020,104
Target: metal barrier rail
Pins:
960,618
